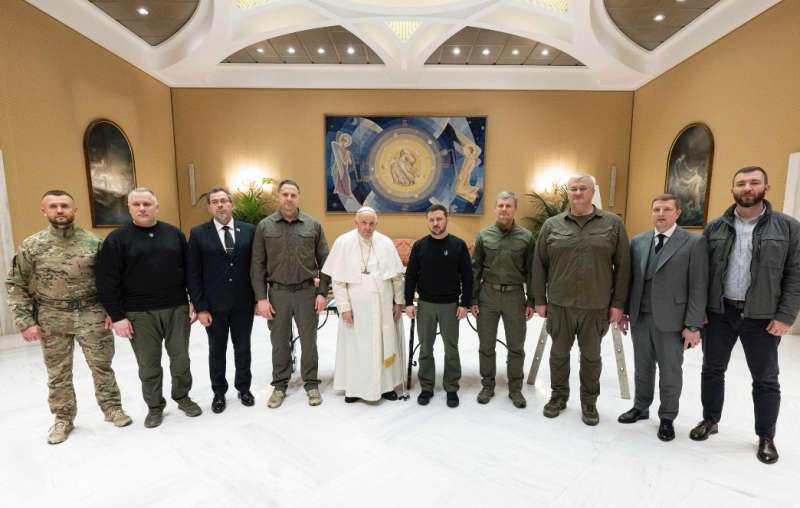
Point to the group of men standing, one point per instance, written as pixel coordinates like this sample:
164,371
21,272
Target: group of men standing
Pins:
740,279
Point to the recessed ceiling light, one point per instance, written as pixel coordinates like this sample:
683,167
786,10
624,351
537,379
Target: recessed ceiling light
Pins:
456,51
515,52
321,50
680,1
142,11
545,52
290,50
351,50
260,50
485,51
659,17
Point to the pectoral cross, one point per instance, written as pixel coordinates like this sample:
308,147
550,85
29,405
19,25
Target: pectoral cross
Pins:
365,271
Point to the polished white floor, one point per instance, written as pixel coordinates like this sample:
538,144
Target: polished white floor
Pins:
388,454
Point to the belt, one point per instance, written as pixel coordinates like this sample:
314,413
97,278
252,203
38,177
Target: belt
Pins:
503,287
293,287
66,304
736,304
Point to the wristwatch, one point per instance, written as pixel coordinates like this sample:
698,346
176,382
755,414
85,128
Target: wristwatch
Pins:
693,328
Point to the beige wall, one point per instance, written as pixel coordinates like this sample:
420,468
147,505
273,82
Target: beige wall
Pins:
53,82
282,132
746,87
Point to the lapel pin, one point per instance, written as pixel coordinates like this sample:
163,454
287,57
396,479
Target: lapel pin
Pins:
151,235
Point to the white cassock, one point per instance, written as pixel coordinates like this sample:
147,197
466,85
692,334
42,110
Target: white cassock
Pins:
370,353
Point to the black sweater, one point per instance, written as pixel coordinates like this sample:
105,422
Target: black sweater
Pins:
440,270
140,269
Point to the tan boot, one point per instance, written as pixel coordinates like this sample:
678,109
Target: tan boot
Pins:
276,399
59,432
314,397
118,417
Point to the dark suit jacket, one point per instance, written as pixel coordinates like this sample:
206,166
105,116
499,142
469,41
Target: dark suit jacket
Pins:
216,281
680,284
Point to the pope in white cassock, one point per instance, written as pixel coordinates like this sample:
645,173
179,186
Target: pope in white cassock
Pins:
368,288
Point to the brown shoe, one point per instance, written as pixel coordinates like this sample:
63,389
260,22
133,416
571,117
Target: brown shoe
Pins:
59,432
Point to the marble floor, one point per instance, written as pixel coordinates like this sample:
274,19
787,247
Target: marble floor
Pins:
392,453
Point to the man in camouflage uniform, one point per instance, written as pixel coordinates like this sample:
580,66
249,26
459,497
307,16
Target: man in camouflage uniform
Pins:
52,295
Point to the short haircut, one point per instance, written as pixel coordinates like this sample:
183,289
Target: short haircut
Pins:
214,190
143,190
288,182
57,192
751,169
437,208
667,197
506,195
581,176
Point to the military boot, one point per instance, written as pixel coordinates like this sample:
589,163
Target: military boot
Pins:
59,432
485,395
589,415
554,407
154,417
189,407
518,399
314,397
118,417
276,399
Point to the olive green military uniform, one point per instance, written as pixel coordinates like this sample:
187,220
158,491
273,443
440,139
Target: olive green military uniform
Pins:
52,285
500,269
286,258
580,269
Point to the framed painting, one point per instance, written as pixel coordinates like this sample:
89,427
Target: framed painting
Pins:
689,173
399,164
110,172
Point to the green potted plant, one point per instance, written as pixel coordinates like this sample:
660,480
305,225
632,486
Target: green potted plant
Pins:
546,205
255,202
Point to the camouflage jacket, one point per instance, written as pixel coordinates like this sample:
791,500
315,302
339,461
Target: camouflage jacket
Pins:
53,264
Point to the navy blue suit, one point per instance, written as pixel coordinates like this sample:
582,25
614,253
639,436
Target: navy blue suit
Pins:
219,283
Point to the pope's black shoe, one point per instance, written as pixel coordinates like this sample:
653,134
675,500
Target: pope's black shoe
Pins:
666,432
350,400
703,430
767,453
247,398
218,404
633,415
390,395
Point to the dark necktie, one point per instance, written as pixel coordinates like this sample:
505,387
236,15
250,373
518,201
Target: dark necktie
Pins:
228,240
660,243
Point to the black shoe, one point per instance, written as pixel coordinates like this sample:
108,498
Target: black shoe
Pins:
350,400
703,430
767,453
390,395
424,397
247,398
218,404
666,432
452,399
633,415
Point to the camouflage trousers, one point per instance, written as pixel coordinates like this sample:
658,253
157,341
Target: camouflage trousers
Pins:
60,330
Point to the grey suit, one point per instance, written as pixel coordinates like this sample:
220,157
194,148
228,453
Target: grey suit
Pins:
668,292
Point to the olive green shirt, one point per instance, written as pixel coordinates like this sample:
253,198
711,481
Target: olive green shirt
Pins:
584,267
288,253
53,264
502,257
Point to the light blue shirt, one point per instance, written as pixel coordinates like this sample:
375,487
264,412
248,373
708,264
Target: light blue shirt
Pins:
737,279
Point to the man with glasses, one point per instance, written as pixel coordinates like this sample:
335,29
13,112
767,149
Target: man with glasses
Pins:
218,278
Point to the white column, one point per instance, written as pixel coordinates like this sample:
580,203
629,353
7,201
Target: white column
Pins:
791,203
6,252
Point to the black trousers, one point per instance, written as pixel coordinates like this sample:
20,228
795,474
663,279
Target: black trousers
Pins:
240,325
761,353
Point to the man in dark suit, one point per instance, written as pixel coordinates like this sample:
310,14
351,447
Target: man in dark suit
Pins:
218,279
666,306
